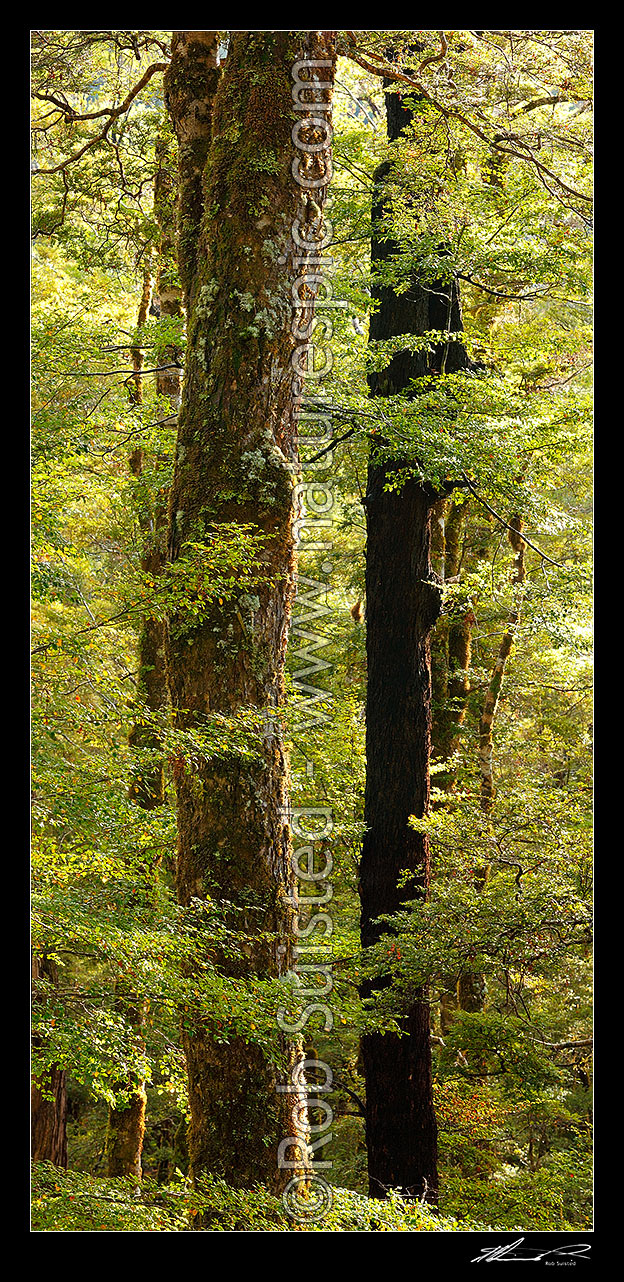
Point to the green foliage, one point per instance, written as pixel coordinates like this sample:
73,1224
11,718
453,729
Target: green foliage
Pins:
68,1202
511,886
558,1196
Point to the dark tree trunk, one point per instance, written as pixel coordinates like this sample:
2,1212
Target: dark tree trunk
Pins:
403,603
401,609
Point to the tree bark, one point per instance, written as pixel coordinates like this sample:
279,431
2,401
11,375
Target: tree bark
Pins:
471,986
490,704
49,1118
451,648
190,85
48,1099
403,604
126,1126
401,609
451,643
235,462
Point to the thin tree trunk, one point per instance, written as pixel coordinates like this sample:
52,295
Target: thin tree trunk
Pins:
235,459
148,784
471,988
492,697
451,643
168,285
190,86
451,648
48,1099
126,1126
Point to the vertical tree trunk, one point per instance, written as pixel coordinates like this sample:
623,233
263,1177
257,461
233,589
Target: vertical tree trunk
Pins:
451,643
148,784
471,989
168,285
126,1123
235,460
126,1126
48,1099
403,603
49,1118
492,697
190,85
401,610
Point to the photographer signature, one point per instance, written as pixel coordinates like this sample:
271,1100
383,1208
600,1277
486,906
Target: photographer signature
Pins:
515,1251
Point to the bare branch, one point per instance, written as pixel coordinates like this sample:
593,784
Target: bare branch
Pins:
390,73
506,523
112,112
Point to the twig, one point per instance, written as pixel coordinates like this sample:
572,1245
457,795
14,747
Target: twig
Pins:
112,112
105,373
332,446
390,73
505,523
104,623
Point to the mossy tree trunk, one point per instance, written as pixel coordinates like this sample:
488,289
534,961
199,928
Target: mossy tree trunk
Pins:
190,86
403,604
126,1124
236,461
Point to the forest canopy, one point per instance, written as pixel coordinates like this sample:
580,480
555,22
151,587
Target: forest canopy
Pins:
311,630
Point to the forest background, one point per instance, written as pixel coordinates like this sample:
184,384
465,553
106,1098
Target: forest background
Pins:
487,200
